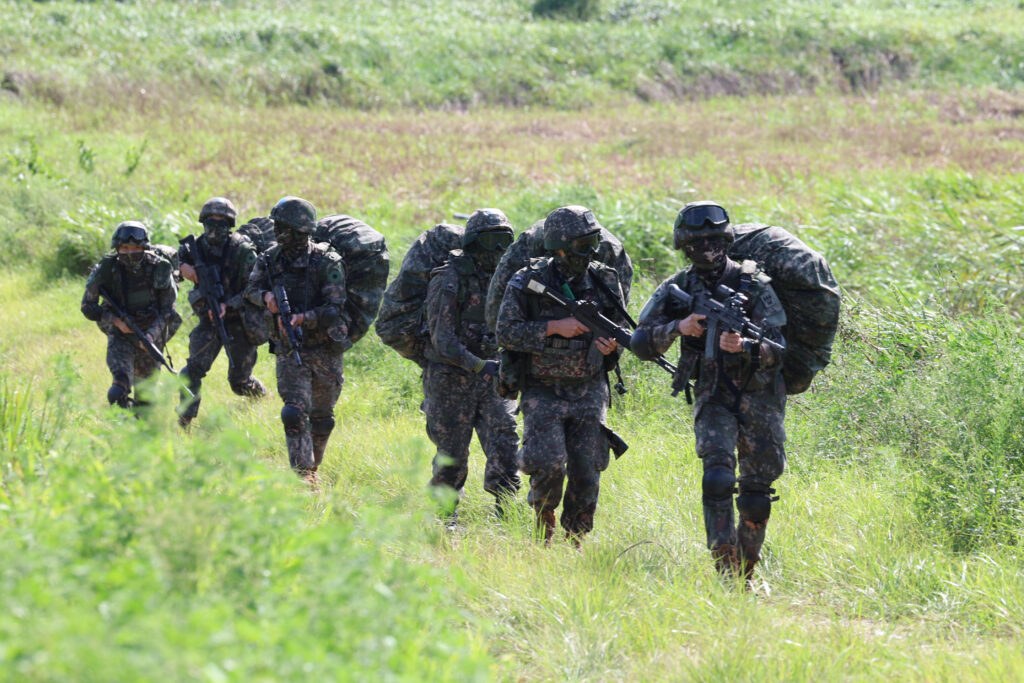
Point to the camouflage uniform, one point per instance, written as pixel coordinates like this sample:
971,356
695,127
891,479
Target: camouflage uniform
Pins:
148,296
235,260
457,398
315,284
565,390
751,432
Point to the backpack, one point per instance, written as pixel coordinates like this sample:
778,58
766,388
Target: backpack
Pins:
400,322
530,245
260,231
810,294
367,264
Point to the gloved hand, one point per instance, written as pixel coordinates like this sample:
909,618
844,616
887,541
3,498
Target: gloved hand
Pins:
490,369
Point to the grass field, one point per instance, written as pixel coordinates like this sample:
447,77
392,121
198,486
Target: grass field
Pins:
132,551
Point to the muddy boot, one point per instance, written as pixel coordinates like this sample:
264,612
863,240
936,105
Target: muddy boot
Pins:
250,387
726,561
751,538
309,476
546,523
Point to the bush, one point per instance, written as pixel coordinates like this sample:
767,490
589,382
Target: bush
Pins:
575,10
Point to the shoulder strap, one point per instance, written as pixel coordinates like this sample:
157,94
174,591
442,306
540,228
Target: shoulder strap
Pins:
614,298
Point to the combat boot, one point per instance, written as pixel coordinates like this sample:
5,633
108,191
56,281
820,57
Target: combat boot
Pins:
250,387
726,561
546,522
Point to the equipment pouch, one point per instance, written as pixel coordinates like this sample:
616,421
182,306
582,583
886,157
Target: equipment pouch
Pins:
509,374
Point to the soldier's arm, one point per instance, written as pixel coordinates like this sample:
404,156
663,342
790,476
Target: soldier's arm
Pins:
513,331
768,314
330,315
259,284
657,328
245,259
442,311
166,293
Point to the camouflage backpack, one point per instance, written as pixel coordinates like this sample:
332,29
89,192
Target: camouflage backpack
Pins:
400,323
260,231
171,254
367,264
530,245
808,291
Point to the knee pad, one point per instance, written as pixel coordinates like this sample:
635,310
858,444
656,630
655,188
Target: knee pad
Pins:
321,426
293,418
117,394
719,484
755,506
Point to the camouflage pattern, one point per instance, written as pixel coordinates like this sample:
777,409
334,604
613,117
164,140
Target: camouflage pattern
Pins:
810,294
400,322
313,388
757,441
565,224
295,213
218,206
457,399
315,285
260,231
565,391
530,245
148,296
367,264
236,259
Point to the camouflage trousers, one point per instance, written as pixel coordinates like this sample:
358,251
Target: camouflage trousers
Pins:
128,362
757,445
204,344
563,439
309,392
457,402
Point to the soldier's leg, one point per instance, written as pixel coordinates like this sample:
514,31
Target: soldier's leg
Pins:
588,451
203,347
294,385
715,429
496,428
121,362
448,406
328,378
543,454
762,459
243,360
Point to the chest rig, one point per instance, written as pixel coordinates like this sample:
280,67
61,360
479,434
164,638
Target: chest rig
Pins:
566,361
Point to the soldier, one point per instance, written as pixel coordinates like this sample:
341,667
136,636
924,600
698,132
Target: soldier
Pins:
141,283
227,259
306,279
564,384
740,393
462,366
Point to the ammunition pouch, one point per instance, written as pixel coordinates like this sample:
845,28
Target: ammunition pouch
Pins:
563,360
510,374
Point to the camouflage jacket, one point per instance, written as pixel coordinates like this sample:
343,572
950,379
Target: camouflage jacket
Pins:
234,259
315,285
753,369
523,319
455,314
148,296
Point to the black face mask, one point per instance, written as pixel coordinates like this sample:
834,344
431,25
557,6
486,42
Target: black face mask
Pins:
574,263
131,260
486,260
707,254
293,243
216,231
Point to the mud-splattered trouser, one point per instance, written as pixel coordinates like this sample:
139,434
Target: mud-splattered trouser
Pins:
456,402
127,362
203,346
309,392
758,443
563,439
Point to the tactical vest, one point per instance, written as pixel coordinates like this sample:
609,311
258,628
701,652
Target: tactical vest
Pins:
566,361
302,283
471,302
135,292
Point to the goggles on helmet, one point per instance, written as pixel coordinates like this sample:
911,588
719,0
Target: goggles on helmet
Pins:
132,234
586,244
494,241
696,216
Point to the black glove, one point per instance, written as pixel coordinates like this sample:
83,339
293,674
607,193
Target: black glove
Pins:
490,369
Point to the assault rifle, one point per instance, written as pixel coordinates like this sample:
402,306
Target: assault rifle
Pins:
145,341
211,287
588,314
725,315
284,316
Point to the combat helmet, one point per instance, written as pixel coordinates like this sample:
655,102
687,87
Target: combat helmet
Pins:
218,206
129,232
569,224
490,228
702,219
294,213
